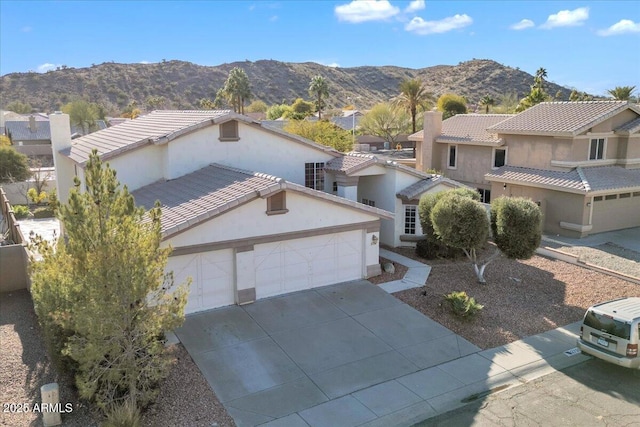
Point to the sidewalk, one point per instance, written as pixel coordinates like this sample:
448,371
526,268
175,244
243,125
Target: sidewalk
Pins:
459,382
442,388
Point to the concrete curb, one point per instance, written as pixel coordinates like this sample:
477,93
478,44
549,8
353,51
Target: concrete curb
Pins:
575,260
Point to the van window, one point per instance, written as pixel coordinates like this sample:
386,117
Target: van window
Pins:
607,324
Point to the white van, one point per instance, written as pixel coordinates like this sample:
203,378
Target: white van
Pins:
611,331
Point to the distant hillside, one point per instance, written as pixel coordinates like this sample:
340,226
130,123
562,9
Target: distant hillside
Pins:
182,84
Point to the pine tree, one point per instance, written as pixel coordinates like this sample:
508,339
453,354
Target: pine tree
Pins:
102,295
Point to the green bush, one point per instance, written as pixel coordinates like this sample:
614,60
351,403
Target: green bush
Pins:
21,211
13,165
44,212
432,248
463,305
516,225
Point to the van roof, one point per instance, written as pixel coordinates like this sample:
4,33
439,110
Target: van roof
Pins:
624,308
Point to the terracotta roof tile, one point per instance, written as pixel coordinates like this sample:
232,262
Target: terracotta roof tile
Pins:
350,163
416,189
463,128
561,118
144,130
579,180
213,190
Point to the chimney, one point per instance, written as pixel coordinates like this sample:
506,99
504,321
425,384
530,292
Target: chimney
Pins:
64,166
32,124
428,151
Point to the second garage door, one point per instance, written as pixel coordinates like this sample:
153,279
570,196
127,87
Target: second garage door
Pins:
298,264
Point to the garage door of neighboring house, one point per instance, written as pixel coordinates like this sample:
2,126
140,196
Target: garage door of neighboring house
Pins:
616,213
298,264
212,278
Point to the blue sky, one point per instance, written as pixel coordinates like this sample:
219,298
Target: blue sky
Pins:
590,45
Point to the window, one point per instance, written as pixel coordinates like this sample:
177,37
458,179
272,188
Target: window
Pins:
277,204
314,176
597,199
611,197
485,195
229,131
596,149
499,157
410,212
625,195
335,187
636,194
453,154
368,202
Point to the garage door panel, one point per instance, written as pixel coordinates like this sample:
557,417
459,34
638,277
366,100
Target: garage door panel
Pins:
308,262
616,214
212,278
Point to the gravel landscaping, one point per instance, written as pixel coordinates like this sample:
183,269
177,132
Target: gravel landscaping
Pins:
607,255
185,397
521,298
400,271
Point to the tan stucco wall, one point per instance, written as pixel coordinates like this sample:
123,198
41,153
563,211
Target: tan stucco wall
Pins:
538,151
614,122
633,148
556,206
474,162
13,268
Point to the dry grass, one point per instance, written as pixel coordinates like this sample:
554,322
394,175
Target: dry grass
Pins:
521,298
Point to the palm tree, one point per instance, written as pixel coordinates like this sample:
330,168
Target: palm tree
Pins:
487,101
236,89
319,88
413,94
622,93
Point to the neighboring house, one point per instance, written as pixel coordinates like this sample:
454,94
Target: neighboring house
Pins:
31,137
387,185
247,208
349,120
580,161
377,143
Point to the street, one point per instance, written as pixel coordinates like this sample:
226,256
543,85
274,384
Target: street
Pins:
593,393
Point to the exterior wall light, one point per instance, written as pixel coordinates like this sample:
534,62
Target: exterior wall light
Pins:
374,240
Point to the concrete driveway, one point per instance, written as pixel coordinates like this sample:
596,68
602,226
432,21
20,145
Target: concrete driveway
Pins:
323,357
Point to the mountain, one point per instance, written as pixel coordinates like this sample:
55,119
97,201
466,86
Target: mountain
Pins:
182,83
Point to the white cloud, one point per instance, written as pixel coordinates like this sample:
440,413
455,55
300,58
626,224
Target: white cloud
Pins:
145,62
624,26
366,10
47,67
524,24
567,18
420,26
274,18
327,64
415,6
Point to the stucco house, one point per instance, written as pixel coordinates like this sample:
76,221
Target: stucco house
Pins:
580,161
248,209
388,185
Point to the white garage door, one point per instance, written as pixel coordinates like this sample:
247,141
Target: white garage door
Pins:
212,278
298,264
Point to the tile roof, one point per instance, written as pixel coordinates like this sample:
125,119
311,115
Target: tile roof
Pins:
215,189
20,130
148,129
469,128
578,180
350,163
561,118
416,189
630,127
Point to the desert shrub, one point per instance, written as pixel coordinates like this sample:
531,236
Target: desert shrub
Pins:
434,249
516,225
43,212
126,414
20,211
462,304
35,197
